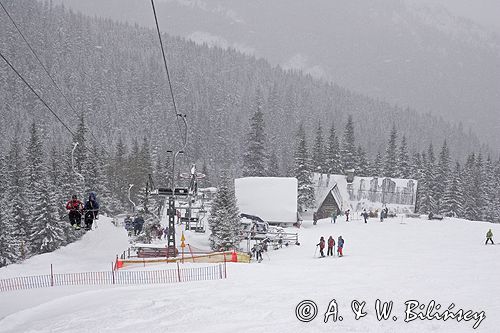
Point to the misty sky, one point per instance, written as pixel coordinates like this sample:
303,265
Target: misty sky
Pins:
485,12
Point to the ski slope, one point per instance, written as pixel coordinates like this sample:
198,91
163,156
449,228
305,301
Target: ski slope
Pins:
398,260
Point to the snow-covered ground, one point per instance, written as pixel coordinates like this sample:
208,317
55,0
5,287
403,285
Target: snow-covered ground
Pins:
398,260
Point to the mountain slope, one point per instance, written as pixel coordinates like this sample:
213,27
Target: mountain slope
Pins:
406,54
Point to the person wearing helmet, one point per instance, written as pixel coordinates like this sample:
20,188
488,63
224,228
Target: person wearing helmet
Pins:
128,225
75,208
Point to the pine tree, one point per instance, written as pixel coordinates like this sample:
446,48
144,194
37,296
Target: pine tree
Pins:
332,154
451,203
391,161
377,167
442,175
7,244
404,169
488,188
318,157
16,205
273,170
470,190
254,158
224,221
362,165
302,171
348,149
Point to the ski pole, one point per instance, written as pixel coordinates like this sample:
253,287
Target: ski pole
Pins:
315,251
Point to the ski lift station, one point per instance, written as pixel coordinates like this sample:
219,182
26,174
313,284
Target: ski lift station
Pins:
273,199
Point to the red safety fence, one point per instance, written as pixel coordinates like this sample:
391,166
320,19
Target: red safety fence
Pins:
214,272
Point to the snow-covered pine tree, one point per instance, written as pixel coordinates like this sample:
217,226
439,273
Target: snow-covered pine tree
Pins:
416,169
479,179
469,188
404,169
16,209
45,233
442,174
7,248
120,176
224,221
362,165
391,160
488,187
318,157
348,148
255,158
451,203
496,200
302,171
377,166
332,154
273,169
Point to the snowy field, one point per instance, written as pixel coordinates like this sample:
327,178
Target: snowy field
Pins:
396,260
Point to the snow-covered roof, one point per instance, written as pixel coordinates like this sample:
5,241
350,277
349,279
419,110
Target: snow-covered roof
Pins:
274,199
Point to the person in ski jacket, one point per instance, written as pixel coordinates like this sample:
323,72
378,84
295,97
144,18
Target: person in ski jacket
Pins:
257,250
334,216
165,232
365,215
138,223
321,245
340,246
347,212
129,224
382,215
75,208
315,218
331,245
489,237
91,210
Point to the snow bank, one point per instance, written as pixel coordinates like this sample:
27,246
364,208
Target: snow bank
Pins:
273,199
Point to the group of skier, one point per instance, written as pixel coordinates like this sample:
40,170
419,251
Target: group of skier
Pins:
90,211
331,246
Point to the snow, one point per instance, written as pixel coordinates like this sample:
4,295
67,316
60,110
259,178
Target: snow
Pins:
400,259
258,196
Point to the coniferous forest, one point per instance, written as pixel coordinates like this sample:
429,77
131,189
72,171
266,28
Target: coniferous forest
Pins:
244,117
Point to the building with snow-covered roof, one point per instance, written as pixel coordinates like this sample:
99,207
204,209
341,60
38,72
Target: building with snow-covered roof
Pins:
340,192
273,199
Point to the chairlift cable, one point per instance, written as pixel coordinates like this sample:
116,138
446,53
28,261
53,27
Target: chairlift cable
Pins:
46,71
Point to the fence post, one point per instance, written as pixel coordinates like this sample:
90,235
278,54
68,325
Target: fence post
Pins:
51,276
112,274
225,271
178,271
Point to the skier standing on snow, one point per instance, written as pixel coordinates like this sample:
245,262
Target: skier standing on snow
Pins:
91,209
331,245
75,208
340,246
365,215
489,237
257,250
334,216
347,215
321,245
315,218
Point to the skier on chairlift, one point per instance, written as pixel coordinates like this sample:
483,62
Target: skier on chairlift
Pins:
75,208
91,210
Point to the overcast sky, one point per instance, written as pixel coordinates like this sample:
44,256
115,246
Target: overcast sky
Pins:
485,12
